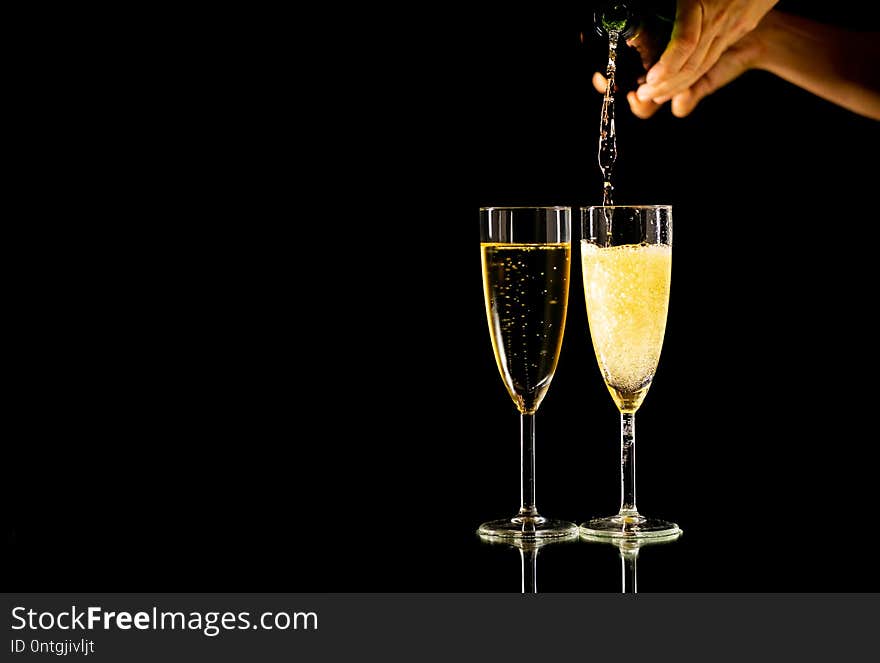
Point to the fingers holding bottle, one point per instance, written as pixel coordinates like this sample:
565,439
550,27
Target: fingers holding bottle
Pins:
702,33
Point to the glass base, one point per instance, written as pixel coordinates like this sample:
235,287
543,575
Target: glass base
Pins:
629,526
529,545
528,527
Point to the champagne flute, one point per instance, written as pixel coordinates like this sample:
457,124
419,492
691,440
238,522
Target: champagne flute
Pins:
526,257
626,255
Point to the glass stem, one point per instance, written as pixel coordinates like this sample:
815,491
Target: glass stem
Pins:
527,465
628,464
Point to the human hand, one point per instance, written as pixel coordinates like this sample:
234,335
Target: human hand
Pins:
738,58
703,32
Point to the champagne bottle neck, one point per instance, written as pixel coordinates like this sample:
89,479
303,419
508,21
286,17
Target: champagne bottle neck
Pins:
627,17
619,17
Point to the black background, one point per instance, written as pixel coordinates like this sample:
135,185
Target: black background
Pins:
251,347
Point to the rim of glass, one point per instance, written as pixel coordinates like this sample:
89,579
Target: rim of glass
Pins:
556,208
659,206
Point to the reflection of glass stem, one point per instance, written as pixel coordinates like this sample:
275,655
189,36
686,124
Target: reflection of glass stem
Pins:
629,574
529,559
628,549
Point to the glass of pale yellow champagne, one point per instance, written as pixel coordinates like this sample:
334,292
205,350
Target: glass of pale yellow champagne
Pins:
526,257
626,255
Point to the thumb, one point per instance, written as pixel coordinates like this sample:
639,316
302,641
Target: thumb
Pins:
686,33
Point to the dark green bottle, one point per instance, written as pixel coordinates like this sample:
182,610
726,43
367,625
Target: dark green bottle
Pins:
615,16
647,24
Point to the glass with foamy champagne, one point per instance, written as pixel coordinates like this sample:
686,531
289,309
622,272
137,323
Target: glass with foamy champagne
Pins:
626,256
